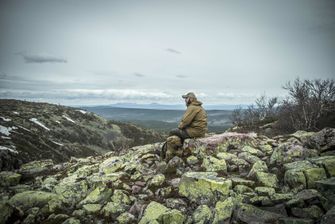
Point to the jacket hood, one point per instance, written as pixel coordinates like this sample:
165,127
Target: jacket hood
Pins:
196,103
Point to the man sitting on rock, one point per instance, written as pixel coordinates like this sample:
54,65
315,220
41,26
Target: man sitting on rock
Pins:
192,125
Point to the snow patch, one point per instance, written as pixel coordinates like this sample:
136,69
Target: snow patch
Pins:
69,119
15,112
57,143
9,149
5,131
5,137
58,122
82,111
39,123
5,119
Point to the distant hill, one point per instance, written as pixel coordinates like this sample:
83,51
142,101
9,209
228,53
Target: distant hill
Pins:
161,119
31,131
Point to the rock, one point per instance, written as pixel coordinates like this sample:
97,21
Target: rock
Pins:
126,218
328,162
112,165
202,215
152,212
258,166
295,179
265,191
252,150
212,164
290,220
55,219
267,179
312,212
226,156
329,217
157,180
5,212
251,214
71,221
203,187
176,203
299,165
323,140
98,195
327,188
71,190
172,216
192,160
92,208
241,189
224,210
120,202
280,197
260,201
241,181
248,157
36,168
8,178
314,174
267,149
173,164
30,199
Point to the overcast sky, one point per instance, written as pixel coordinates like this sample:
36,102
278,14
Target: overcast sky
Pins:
78,52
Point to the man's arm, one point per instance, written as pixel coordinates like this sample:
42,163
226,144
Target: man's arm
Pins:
188,117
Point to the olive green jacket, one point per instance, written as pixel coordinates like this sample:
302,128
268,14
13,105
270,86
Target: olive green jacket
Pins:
194,120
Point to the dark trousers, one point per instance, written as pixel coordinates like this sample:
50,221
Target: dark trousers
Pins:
181,133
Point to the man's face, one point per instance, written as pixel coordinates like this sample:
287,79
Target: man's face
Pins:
187,101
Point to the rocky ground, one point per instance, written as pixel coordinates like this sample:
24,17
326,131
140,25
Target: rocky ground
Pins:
226,178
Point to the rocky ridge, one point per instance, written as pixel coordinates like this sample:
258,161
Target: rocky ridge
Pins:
226,178
34,131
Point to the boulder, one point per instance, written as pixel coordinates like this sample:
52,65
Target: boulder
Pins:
126,218
258,166
224,210
203,187
267,179
152,212
212,164
112,165
92,209
202,215
327,188
98,195
329,217
291,220
328,162
295,179
172,216
157,180
314,174
252,150
30,199
5,212
250,214
323,140
120,202
8,178
36,168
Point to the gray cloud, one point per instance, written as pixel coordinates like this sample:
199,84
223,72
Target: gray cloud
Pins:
171,50
138,75
41,58
181,76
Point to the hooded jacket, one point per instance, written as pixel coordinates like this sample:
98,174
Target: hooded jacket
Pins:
194,120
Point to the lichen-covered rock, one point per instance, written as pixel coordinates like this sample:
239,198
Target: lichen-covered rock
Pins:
203,186
299,165
328,162
157,180
152,212
241,189
71,221
192,160
259,166
126,218
212,164
265,191
267,179
252,150
329,217
224,210
291,220
5,212
295,179
36,168
92,208
248,157
29,199
172,216
251,214
327,188
120,202
314,174
111,165
202,215
8,178
313,212
98,195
